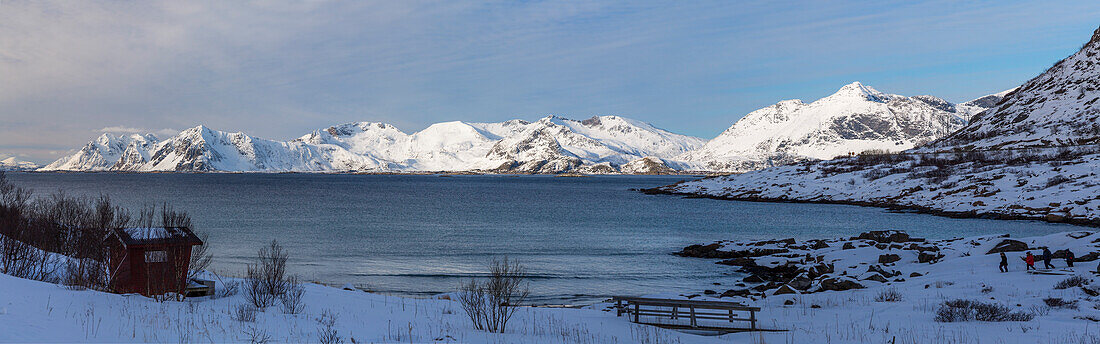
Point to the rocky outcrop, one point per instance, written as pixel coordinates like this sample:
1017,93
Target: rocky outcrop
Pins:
1008,245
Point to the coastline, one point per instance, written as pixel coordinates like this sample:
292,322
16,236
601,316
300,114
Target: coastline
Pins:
1084,222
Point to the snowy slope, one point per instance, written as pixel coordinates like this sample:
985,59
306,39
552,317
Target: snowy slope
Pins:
549,145
1061,106
854,119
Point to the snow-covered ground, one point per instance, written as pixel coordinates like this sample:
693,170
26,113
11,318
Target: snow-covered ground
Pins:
32,311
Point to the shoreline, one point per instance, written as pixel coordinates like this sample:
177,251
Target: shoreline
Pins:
1091,223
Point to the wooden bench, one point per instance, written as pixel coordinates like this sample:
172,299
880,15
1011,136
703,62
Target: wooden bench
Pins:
669,313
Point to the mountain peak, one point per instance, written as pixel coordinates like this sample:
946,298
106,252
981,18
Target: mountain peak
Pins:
858,90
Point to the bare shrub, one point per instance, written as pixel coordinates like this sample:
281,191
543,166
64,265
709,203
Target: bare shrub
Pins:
326,328
266,281
888,295
291,300
244,313
1073,281
491,304
228,289
257,335
1056,302
970,310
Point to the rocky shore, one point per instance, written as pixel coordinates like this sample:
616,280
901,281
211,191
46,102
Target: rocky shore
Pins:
788,266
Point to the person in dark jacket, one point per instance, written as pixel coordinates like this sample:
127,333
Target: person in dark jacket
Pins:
1046,259
1004,262
1069,258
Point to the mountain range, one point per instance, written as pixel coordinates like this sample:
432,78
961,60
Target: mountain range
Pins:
855,118
1034,154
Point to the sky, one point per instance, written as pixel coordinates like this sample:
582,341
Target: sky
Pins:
72,70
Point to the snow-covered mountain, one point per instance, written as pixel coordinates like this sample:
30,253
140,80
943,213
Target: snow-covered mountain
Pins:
1059,107
978,170
12,164
854,119
550,145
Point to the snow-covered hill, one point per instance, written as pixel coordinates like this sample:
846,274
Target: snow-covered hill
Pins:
1059,107
1034,155
854,119
13,164
549,145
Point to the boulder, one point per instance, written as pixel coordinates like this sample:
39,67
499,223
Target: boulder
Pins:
1055,217
787,241
742,261
819,244
709,292
1088,257
736,292
888,258
881,246
885,236
874,277
802,282
915,274
840,284
780,273
883,272
753,279
1008,245
784,289
788,302
848,246
925,257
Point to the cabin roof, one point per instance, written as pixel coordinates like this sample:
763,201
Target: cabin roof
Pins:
139,236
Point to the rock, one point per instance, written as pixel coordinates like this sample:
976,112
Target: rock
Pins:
768,286
784,289
712,251
709,292
780,273
1008,245
742,261
815,306
736,292
881,246
819,244
915,274
875,277
925,257
883,272
702,251
753,279
1056,217
802,282
787,241
899,280
888,258
885,236
819,269
840,284
788,302
1091,256
848,246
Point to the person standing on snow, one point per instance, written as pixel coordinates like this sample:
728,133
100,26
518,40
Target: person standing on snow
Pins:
1004,262
1069,258
1030,260
1046,258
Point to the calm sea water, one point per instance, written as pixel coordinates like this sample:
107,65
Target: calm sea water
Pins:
581,238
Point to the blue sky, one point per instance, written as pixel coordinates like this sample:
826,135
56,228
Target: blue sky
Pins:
71,70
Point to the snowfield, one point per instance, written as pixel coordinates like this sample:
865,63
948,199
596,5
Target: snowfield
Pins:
45,312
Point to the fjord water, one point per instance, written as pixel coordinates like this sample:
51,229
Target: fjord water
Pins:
582,239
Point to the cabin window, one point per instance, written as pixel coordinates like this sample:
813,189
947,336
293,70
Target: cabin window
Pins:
156,256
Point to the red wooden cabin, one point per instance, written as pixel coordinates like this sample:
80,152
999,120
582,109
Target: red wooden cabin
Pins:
150,261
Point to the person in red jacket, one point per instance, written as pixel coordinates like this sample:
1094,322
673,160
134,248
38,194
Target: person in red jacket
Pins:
1030,260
